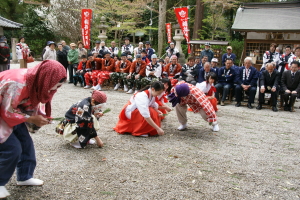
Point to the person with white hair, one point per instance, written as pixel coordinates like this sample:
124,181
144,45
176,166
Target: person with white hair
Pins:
246,82
172,50
139,49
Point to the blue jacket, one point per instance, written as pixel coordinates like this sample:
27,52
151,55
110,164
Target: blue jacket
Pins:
252,78
232,56
149,53
209,53
216,70
201,76
227,76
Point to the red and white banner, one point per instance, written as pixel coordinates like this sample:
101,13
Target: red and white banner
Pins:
182,17
86,19
169,32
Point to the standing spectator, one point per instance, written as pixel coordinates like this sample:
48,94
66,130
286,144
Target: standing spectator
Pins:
6,44
103,50
172,50
113,49
4,55
81,51
207,52
291,86
22,51
50,53
127,47
268,83
149,50
72,60
271,56
65,46
45,49
139,49
229,54
62,56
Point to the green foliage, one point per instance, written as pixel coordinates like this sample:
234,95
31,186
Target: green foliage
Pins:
36,30
12,10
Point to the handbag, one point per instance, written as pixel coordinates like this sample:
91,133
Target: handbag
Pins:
30,59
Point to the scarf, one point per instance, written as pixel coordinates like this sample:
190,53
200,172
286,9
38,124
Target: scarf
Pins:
40,79
182,90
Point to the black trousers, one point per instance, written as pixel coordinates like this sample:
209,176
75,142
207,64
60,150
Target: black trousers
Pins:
261,97
289,99
239,92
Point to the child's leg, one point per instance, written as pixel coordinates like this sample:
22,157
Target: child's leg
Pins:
98,141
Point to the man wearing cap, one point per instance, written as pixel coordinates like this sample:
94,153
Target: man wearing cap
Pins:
203,72
207,52
136,73
214,65
149,50
229,54
246,82
108,66
127,47
172,50
139,49
121,72
113,49
173,69
153,71
187,71
50,54
4,55
227,77
93,67
144,57
72,60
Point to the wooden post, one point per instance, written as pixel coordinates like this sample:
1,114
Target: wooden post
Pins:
199,14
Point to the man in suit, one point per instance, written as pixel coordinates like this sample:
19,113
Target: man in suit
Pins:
226,79
290,83
246,81
268,83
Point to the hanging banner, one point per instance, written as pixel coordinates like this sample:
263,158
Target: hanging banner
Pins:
86,19
182,17
169,32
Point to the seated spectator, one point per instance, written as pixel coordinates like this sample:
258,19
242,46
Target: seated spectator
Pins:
268,83
226,78
121,71
229,54
187,72
173,69
203,72
153,72
214,65
79,74
290,83
246,82
167,60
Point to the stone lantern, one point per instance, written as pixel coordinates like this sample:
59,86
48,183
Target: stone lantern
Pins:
179,38
102,29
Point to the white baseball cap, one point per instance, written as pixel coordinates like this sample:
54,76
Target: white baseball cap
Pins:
214,60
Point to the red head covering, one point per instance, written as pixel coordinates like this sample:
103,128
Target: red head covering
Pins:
99,96
40,79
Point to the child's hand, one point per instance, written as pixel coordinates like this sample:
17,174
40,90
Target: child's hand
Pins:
160,113
98,115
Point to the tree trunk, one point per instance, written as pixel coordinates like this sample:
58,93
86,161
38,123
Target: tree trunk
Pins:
199,15
161,26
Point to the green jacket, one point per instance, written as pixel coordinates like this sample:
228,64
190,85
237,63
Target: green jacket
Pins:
73,56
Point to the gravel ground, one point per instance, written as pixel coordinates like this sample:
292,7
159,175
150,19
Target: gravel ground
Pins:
254,156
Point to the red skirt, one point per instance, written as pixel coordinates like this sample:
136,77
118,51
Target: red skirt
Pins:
137,125
164,111
214,103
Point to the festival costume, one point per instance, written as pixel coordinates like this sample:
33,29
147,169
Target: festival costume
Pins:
157,69
269,57
225,56
208,90
119,75
170,52
132,117
23,91
246,77
79,76
188,73
161,100
114,51
98,68
108,66
172,71
127,48
135,69
203,74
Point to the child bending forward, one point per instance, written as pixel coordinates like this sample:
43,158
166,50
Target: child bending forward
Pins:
81,120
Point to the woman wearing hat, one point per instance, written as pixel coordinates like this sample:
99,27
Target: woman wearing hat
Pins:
81,122
72,60
50,53
23,91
